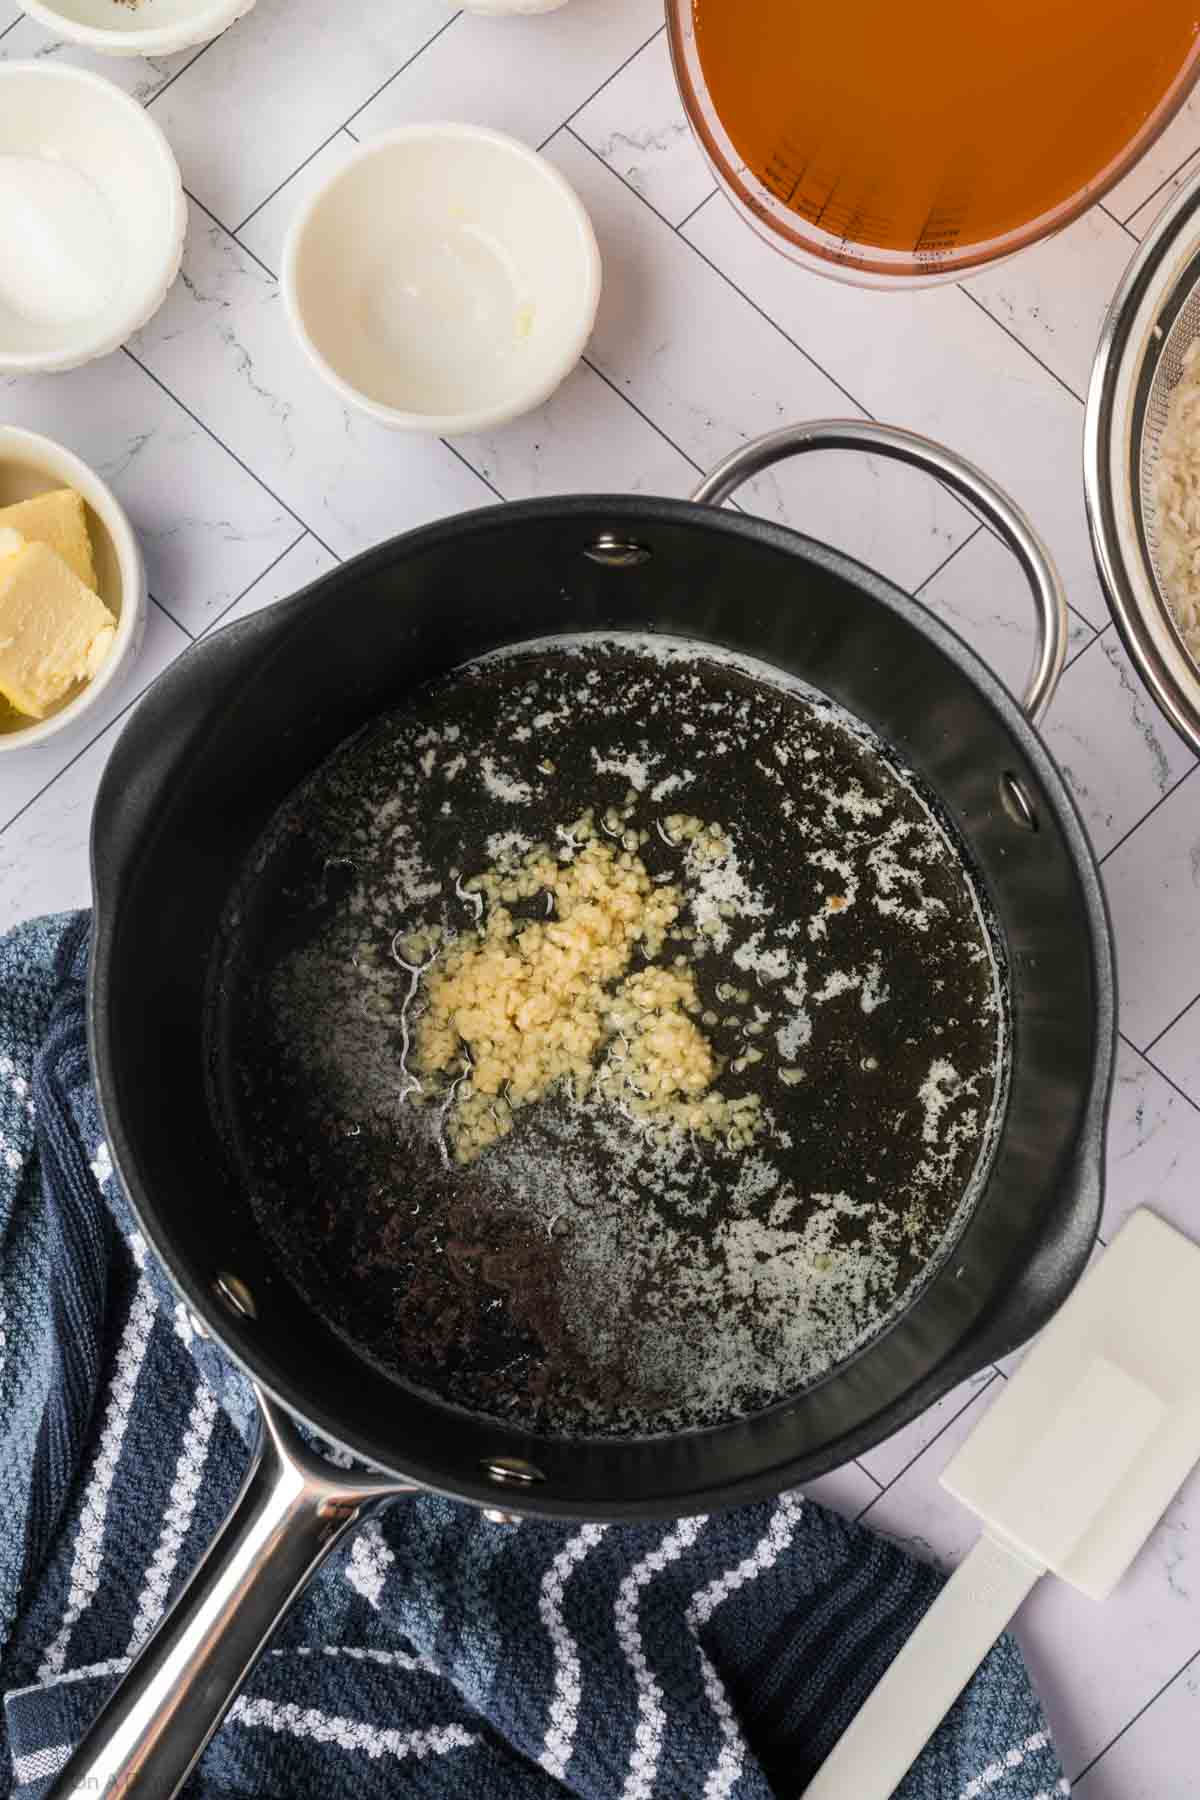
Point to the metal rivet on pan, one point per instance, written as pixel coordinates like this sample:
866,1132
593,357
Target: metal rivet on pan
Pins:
1016,802
496,1517
236,1295
615,552
510,1471
197,1324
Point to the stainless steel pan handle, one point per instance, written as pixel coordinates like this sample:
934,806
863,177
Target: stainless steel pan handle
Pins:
956,472
292,1510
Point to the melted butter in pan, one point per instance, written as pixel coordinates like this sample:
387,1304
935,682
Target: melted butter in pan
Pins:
585,1274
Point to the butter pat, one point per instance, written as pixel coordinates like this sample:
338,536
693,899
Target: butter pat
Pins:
54,631
59,520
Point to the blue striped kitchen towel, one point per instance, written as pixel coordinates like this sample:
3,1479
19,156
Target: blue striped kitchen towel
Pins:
437,1654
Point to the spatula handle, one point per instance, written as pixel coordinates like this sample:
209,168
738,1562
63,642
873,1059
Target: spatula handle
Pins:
884,1739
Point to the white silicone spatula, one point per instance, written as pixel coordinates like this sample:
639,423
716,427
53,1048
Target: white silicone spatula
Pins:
1069,1471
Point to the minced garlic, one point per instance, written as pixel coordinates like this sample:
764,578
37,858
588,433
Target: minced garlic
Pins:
513,1008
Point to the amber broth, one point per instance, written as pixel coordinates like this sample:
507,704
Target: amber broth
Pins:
942,124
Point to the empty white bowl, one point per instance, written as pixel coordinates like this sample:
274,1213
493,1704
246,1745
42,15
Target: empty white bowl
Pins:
93,216
445,279
151,28
31,465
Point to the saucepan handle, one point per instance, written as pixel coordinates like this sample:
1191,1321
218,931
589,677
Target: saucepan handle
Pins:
291,1511
969,482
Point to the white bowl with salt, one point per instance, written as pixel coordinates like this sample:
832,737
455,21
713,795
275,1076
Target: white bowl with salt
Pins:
93,217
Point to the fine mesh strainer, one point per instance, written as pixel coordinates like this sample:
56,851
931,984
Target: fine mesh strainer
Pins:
1152,320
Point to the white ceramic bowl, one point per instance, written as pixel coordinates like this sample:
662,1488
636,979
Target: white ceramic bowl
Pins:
150,28
445,280
63,303
30,465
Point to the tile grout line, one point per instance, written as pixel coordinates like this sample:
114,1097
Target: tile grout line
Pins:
887,1486
1183,1095
344,126
278,189
563,124
983,525
190,63
265,201
727,279
468,464
164,608
1095,637
785,335
222,226
1154,192
1009,333
631,402
680,223
1120,223
872,1478
261,576
397,73
1157,1695
153,598
1170,1024
1162,798
196,420
947,560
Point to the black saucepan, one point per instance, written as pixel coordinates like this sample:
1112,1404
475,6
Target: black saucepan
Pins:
226,736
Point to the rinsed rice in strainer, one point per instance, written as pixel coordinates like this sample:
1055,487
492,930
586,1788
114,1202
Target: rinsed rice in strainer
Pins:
1177,491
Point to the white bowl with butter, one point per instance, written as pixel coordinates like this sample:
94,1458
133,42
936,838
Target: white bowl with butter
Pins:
444,280
92,216
45,621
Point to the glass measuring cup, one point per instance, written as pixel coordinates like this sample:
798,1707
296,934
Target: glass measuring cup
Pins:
897,147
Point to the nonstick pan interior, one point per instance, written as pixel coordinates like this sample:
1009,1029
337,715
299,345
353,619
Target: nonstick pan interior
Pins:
590,1271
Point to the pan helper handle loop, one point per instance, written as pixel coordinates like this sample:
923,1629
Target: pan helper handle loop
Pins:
967,481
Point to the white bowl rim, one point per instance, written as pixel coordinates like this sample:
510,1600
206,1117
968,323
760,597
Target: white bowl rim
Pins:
157,40
65,467
482,418
154,290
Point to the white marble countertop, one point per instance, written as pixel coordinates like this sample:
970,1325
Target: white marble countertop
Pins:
245,478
